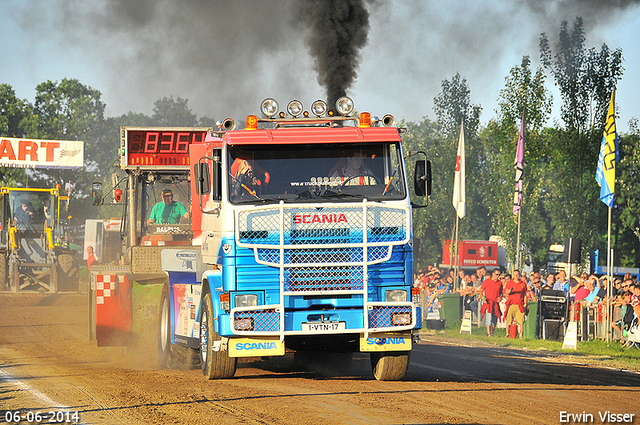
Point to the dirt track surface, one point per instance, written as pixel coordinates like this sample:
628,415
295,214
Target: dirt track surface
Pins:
47,363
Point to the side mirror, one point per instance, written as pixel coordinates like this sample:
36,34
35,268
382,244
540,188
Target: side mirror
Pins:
217,174
422,178
428,178
203,179
96,194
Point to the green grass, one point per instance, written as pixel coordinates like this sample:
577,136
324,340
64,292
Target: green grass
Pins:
611,352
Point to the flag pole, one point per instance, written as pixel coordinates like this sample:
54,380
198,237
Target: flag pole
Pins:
455,255
609,273
517,266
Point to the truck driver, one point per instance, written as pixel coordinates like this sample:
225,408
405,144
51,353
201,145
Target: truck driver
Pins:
247,177
354,172
167,211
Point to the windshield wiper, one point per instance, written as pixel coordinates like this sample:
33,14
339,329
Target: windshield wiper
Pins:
269,198
256,200
342,195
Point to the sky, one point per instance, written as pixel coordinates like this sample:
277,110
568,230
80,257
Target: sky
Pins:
225,57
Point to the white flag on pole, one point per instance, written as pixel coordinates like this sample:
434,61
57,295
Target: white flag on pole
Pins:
458,183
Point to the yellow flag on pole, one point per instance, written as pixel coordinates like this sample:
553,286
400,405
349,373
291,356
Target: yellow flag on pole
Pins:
606,172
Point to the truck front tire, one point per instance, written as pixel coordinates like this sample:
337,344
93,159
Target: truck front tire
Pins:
390,366
215,364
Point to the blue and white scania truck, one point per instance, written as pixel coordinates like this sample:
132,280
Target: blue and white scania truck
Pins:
303,234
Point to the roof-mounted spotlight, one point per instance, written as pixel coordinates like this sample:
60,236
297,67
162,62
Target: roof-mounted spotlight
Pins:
345,106
319,108
294,108
269,107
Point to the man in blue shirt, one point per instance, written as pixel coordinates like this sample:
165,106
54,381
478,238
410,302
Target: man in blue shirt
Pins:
561,283
168,211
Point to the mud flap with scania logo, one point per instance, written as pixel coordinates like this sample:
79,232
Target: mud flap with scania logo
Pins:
386,342
251,347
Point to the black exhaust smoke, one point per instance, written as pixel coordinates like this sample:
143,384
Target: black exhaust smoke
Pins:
337,30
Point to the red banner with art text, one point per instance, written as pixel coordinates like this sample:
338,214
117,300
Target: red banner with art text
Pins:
35,153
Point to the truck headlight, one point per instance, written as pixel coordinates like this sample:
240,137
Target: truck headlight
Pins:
345,106
269,107
319,108
294,108
246,300
395,295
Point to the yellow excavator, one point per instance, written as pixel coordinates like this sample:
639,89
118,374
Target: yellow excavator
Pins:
34,252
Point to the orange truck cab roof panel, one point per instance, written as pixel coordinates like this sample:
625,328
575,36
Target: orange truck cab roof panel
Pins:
305,135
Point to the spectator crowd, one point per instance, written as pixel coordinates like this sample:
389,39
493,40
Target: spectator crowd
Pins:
500,296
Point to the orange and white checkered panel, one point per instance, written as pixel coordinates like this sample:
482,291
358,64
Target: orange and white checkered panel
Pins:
106,284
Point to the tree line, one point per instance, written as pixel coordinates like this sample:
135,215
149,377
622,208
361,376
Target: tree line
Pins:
561,196
70,110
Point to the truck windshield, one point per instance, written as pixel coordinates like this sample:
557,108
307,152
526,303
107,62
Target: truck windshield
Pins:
166,201
299,173
555,257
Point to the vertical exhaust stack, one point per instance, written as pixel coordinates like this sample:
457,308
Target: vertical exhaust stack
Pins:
337,30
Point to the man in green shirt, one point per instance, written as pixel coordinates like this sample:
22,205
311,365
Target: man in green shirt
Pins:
168,211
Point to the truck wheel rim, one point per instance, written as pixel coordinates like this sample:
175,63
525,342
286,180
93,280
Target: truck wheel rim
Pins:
204,334
164,326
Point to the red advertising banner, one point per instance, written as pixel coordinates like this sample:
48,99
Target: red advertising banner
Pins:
35,153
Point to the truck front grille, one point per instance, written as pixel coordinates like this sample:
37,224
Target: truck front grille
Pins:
302,279
326,248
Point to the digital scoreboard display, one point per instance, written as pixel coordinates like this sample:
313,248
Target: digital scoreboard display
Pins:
159,147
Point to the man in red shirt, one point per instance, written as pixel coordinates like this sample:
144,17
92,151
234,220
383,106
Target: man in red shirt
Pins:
492,291
91,257
635,299
515,290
